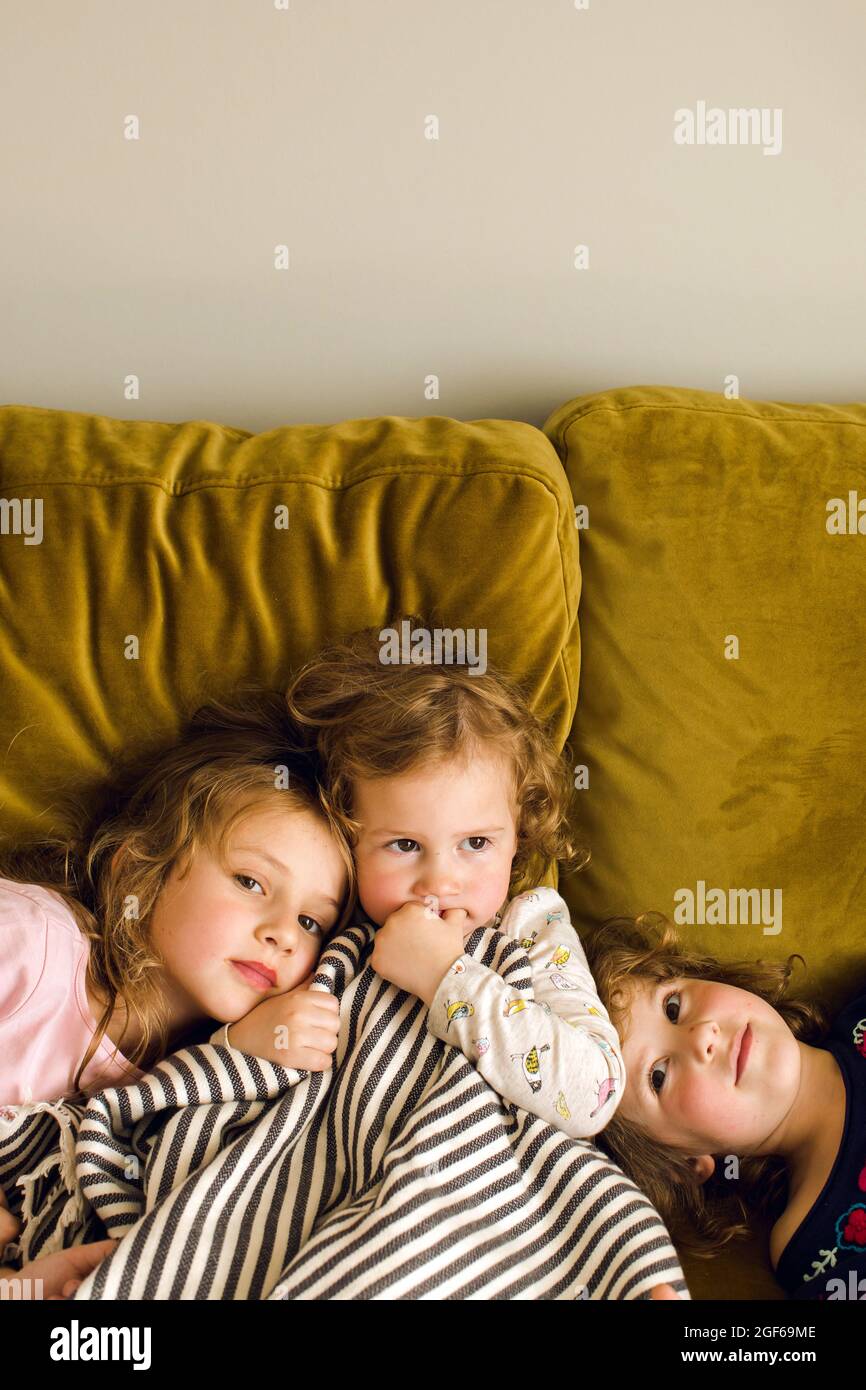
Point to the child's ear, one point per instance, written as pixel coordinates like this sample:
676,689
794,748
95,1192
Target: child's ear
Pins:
703,1166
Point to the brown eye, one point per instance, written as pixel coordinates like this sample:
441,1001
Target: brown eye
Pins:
658,1068
479,840
246,878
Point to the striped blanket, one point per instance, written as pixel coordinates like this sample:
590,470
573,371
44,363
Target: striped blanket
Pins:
397,1174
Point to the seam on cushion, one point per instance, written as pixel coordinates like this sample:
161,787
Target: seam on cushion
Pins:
572,694
163,424
196,484
713,410
199,485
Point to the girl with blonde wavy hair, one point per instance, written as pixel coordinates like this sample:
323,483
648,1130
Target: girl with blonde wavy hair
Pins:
205,893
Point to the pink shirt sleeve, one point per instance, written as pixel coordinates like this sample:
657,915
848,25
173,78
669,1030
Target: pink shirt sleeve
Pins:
45,1019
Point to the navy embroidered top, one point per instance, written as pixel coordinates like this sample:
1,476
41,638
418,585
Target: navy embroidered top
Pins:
826,1256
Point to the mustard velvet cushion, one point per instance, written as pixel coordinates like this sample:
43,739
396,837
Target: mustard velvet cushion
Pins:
732,766
165,533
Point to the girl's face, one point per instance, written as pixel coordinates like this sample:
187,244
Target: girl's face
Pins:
231,937
710,1069
446,830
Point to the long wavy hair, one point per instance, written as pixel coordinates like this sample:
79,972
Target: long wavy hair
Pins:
371,720
233,757
701,1217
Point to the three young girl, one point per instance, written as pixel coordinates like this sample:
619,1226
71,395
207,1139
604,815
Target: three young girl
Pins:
208,893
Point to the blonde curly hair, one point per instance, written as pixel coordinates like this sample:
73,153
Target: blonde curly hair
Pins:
370,720
156,814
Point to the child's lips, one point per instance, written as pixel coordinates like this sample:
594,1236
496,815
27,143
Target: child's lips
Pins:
255,975
743,1048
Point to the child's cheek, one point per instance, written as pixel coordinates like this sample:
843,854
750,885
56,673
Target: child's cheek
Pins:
705,1109
487,888
374,872
378,886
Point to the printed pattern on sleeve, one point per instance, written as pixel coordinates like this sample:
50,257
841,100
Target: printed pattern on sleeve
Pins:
546,1044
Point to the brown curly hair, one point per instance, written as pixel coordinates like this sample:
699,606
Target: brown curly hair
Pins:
232,757
372,720
701,1217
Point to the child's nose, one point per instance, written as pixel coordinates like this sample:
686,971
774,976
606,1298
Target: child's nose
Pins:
704,1036
438,879
285,931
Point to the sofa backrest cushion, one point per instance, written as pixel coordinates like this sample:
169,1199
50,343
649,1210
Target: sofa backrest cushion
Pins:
179,561
721,709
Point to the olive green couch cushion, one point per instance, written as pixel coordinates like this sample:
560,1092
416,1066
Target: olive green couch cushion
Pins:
707,520
165,533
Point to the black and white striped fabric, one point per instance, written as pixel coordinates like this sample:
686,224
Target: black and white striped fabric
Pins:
397,1174
37,1174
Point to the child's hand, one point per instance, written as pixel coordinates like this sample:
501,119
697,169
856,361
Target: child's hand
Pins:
663,1291
62,1272
9,1224
310,1018
415,947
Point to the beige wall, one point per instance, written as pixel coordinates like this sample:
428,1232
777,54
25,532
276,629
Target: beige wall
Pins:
410,257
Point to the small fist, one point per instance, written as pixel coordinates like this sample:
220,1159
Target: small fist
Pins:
416,945
297,1029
